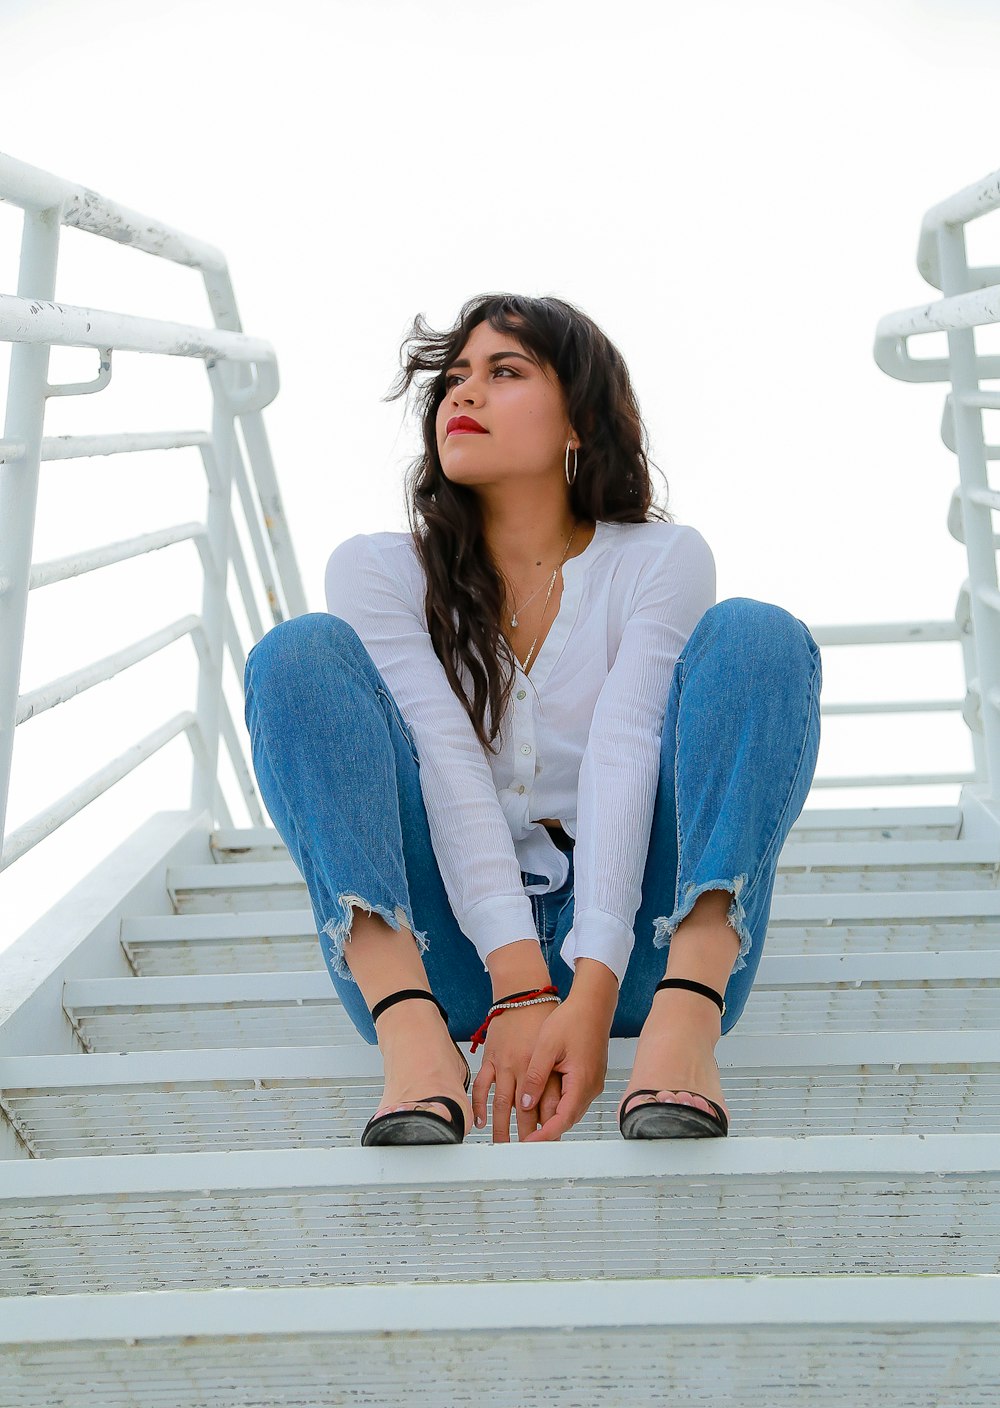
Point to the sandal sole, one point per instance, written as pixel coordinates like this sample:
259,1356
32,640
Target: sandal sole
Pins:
664,1120
412,1127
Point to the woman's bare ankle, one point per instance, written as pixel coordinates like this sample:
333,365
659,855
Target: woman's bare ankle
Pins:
382,960
408,1022
418,1053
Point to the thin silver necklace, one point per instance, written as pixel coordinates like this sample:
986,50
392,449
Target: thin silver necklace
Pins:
552,583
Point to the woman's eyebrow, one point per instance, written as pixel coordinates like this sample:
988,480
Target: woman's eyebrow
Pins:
493,357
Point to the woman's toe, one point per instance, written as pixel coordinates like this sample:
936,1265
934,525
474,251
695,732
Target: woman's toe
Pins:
683,1097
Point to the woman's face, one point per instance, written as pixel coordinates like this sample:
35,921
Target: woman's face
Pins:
519,403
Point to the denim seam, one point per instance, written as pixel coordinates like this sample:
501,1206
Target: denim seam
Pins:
394,708
677,807
248,691
342,901
791,785
660,925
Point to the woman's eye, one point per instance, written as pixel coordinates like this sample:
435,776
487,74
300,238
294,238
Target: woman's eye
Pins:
454,375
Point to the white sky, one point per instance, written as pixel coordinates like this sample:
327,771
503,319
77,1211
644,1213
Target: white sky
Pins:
732,191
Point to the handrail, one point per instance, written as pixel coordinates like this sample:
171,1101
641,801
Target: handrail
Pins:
971,299
901,633
965,205
243,377
35,191
34,322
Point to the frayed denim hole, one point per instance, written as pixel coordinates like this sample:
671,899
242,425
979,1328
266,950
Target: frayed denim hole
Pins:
335,933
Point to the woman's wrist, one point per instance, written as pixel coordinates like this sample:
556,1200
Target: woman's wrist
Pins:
595,983
517,967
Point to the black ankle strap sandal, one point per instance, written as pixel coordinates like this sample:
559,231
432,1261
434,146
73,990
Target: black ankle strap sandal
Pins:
705,991
657,1120
418,1126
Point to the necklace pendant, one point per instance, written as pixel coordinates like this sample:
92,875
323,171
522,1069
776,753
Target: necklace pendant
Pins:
513,620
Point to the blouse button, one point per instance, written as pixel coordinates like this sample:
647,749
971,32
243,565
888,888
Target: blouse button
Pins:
521,693
521,788
525,747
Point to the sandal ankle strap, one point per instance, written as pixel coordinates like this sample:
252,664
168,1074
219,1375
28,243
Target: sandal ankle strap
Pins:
706,991
399,996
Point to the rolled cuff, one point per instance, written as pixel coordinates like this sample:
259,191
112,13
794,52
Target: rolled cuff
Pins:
498,921
598,935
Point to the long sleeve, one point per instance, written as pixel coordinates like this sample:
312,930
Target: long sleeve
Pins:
619,772
472,841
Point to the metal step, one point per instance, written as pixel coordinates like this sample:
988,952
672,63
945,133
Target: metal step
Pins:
551,1213
859,866
253,843
806,868
943,823
171,1102
812,993
278,940
854,1207
285,941
899,1341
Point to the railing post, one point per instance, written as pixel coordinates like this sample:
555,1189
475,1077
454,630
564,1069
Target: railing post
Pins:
972,704
26,391
976,518
219,526
222,301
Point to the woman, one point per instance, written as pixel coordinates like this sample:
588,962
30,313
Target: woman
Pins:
511,850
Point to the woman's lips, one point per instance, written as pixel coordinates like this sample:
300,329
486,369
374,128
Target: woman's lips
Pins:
465,430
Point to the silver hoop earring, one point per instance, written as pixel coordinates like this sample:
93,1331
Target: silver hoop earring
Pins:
568,480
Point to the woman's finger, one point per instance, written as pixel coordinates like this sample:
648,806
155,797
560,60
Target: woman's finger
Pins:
549,1102
528,1120
481,1092
546,1106
503,1102
569,1109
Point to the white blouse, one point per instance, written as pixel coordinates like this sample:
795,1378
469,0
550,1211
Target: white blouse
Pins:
580,741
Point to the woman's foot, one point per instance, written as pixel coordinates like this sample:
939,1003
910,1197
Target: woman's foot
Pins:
675,1054
420,1059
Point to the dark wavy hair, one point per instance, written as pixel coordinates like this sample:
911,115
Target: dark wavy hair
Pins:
465,591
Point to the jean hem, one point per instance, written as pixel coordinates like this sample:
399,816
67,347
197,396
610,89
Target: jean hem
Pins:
665,927
336,931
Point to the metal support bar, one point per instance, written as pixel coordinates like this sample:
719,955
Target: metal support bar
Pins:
54,816
243,376
29,366
971,299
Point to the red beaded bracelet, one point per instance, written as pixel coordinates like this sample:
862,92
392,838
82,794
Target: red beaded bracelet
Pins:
516,999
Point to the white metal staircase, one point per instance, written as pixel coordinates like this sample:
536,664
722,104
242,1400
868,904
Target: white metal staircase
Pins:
187,1217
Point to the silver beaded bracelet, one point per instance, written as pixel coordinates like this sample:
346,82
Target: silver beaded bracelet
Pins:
525,1002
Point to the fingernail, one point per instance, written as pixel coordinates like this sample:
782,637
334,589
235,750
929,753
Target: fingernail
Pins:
479,1121
525,1100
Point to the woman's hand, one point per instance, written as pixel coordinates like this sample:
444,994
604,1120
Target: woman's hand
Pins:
557,1055
511,1038
574,1041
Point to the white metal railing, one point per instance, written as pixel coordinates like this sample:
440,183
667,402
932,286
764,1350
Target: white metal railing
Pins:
34,323
971,299
901,633
243,376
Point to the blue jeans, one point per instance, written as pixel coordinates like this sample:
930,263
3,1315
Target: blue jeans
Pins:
338,770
